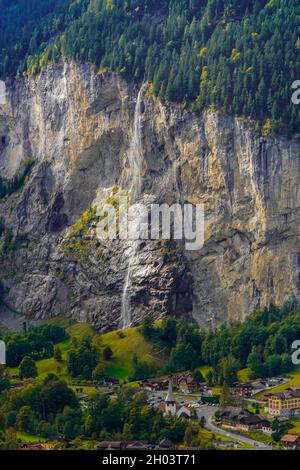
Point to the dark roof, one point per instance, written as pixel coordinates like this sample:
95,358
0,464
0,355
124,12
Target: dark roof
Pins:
110,444
156,380
242,385
184,415
232,411
240,415
186,376
266,422
165,444
251,420
136,445
292,392
32,446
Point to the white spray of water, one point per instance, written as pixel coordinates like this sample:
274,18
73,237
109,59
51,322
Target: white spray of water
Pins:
136,149
135,160
126,301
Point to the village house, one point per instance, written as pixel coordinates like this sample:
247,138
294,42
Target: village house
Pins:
286,403
165,444
291,441
258,385
242,389
37,446
247,389
265,399
226,444
112,382
185,382
110,445
154,384
136,445
244,420
267,427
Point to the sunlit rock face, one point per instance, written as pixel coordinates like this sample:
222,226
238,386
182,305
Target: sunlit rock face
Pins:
92,139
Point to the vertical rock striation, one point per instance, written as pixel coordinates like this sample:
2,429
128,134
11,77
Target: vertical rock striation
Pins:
77,128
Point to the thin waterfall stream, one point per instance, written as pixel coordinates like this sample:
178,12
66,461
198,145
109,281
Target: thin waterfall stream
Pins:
135,156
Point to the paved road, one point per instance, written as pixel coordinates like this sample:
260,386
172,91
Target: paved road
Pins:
266,390
208,412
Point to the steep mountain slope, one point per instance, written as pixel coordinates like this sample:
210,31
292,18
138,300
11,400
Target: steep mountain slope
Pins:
79,128
238,55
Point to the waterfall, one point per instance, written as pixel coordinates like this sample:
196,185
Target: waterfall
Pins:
126,304
135,156
136,149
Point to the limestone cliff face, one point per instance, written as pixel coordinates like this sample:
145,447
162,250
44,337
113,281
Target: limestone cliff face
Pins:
78,128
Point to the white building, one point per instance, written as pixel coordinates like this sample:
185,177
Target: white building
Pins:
172,407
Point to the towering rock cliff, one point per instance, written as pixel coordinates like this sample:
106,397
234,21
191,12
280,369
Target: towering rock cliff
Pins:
81,129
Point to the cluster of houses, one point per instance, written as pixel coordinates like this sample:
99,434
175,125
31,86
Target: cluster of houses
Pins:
186,383
164,444
248,389
37,446
183,381
154,385
283,405
245,389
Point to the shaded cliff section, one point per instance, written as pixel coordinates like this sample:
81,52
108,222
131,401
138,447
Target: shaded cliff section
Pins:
77,127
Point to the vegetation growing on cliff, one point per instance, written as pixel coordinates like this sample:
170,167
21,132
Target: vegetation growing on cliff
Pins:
10,186
79,243
239,56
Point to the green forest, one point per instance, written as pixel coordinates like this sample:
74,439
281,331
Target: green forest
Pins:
262,343
239,56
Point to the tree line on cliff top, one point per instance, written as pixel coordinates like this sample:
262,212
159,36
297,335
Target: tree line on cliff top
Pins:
240,56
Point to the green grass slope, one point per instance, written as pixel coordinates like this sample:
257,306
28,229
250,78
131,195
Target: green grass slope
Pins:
123,344
124,349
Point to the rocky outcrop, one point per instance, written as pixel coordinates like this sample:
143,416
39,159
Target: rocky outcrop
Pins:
78,127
